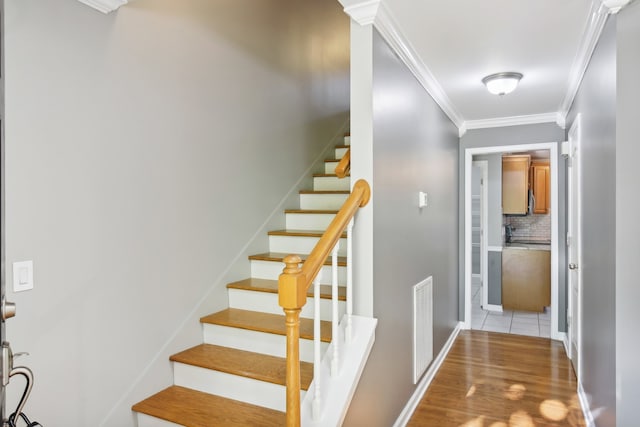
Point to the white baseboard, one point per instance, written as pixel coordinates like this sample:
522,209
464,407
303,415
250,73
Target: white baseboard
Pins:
562,336
424,383
584,403
493,307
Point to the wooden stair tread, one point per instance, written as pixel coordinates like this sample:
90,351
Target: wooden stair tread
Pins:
310,211
191,408
332,160
279,257
343,146
327,175
300,233
271,286
247,364
265,322
324,192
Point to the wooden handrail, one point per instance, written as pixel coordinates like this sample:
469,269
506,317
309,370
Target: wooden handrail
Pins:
344,165
294,282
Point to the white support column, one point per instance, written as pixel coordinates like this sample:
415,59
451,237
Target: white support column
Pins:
362,162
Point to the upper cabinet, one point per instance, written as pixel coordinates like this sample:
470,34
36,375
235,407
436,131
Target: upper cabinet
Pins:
540,185
515,184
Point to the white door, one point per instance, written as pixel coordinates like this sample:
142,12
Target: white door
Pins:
574,275
479,220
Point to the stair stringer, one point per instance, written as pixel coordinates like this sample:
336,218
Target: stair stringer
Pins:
158,374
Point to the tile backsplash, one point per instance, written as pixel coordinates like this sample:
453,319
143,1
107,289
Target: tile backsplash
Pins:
529,227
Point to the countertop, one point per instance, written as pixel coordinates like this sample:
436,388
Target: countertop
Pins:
528,244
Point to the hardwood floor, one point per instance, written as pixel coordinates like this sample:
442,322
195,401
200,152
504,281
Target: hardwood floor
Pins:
491,379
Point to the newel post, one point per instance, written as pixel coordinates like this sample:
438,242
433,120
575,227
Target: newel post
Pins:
292,295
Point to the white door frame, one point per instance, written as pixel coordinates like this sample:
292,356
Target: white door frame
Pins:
468,158
574,214
484,214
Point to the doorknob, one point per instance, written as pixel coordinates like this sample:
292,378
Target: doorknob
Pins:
8,309
573,266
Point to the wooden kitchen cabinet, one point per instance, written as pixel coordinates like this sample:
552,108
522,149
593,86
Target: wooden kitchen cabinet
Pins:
526,279
540,184
515,184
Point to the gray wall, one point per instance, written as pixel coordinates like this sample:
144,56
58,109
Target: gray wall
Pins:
627,208
415,148
596,101
494,277
145,149
518,135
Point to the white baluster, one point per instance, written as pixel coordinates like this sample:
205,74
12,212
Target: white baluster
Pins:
335,331
348,330
317,361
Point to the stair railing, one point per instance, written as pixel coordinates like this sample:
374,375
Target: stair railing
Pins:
344,165
293,285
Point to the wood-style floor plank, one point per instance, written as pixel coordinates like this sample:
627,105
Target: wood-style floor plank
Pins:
193,408
500,380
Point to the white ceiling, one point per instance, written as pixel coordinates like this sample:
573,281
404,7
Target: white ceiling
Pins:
461,41
451,45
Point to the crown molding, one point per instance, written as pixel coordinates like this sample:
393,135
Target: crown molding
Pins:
363,12
390,31
375,12
597,18
513,121
104,6
614,6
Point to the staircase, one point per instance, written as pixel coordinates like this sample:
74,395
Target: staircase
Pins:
237,376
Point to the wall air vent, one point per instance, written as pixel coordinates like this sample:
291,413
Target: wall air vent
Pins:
422,327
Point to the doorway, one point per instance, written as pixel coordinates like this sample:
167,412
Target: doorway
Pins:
553,200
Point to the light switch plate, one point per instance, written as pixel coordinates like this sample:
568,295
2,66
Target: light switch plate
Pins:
422,199
22,276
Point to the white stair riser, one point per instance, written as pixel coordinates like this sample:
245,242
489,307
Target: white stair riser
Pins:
347,140
300,244
271,270
321,183
330,167
267,302
257,342
340,152
145,420
322,201
234,387
308,221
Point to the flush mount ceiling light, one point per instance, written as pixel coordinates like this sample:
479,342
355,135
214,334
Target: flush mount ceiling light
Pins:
502,83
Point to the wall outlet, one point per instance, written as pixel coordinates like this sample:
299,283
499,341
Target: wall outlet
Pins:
22,276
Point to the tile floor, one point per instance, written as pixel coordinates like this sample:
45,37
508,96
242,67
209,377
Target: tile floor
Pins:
508,321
